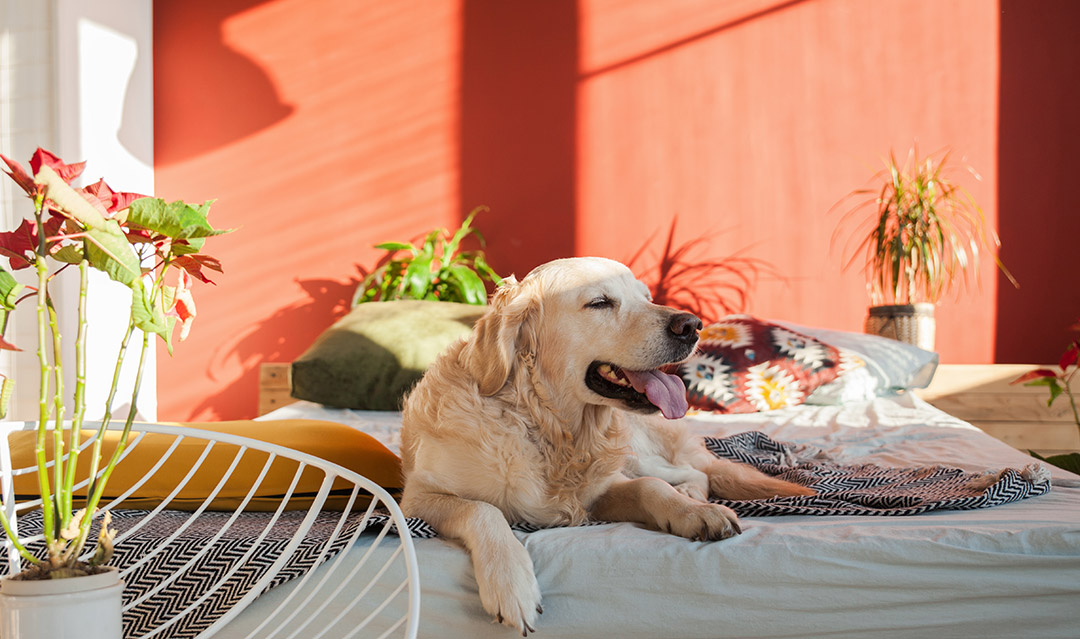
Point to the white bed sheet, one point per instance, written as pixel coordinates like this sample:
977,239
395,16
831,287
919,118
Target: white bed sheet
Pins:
1008,571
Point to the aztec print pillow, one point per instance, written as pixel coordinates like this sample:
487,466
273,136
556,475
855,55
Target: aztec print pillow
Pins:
746,365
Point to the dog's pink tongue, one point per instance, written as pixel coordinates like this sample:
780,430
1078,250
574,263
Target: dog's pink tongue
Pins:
665,391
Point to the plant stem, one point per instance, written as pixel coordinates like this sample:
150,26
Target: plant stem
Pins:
80,392
63,514
15,538
95,455
91,505
43,393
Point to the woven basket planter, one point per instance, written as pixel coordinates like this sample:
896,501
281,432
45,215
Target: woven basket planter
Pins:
909,323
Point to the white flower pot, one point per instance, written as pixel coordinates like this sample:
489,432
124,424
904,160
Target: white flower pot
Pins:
84,607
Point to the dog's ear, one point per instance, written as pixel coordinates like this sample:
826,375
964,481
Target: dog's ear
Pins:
505,329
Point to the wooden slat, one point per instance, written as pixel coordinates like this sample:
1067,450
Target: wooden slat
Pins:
274,386
1016,414
985,378
1046,436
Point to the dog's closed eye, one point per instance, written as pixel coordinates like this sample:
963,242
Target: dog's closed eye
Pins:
601,302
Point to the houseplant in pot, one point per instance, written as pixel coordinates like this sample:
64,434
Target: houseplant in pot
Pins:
419,298
919,232
137,241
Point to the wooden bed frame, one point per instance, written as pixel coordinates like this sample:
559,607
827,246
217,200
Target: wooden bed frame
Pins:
977,393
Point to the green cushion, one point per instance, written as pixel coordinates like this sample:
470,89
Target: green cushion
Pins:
368,359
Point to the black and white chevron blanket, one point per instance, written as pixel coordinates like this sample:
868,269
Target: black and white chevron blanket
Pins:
861,489
171,560
854,489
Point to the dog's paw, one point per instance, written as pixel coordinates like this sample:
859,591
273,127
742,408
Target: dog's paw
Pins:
694,490
509,591
703,522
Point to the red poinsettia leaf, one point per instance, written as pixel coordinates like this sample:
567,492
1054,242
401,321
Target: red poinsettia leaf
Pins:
67,172
194,263
183,305
1076,326
1035,374
19,174
7,346
19,245
102,205
1070,356
113,201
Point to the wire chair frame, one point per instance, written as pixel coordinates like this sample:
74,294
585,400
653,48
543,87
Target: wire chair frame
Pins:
313,591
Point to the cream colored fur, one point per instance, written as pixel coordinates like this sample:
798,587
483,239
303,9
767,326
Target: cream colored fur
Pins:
502,428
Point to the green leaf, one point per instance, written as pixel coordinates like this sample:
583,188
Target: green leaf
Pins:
9,289
147,316
69,254
1068,461
418,277
469,283
6,387
178,220
108,250
396,246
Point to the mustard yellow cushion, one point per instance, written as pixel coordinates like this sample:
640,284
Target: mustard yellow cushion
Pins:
330,441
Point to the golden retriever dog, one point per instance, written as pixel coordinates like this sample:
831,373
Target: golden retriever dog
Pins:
544,414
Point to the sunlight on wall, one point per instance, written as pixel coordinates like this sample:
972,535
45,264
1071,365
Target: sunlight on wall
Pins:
319,138
750,120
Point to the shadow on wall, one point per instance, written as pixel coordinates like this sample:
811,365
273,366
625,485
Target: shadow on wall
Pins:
236,81
519,73
1038,134
295,327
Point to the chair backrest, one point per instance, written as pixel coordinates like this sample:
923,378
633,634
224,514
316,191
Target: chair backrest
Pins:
192,565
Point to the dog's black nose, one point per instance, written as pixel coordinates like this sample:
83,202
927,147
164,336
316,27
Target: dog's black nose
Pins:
685,327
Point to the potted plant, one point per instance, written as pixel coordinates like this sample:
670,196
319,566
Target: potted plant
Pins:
136,241
437,270
919,233
428,294
1059,382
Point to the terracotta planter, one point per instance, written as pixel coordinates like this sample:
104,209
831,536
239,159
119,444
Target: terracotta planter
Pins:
909,323
85,607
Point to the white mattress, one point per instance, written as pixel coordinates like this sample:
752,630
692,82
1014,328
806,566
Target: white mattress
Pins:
1007,571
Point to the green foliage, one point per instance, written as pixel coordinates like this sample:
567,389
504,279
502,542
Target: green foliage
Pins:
438,269
923,232
135,241
1068,461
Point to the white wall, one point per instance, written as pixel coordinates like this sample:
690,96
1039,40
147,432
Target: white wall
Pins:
76,77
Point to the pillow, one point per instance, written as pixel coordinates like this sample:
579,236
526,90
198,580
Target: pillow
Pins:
745,365
895,366
336,443
371,357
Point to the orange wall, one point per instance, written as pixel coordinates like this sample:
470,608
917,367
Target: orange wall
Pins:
324,127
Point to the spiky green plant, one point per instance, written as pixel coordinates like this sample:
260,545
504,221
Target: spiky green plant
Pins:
918,232
435,270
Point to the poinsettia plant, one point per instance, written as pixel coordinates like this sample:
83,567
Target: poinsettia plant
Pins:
137,241
1059,383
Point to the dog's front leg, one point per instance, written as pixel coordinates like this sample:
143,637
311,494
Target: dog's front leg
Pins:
656,504
503,568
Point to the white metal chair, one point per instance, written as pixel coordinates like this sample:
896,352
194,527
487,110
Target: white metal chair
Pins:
164,554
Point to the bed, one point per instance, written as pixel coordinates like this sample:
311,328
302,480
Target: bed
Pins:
1000,561
1004,571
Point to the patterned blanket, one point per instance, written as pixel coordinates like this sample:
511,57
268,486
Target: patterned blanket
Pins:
184,570
168,582
854,489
